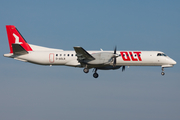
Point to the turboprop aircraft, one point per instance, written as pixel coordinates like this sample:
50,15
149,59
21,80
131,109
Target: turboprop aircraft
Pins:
99,60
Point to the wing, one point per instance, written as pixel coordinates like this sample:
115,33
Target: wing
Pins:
83,54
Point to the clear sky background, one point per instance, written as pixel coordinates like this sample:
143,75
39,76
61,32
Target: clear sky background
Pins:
34,92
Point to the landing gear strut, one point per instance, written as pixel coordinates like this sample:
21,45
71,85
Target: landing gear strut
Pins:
95,75
86,70
162,73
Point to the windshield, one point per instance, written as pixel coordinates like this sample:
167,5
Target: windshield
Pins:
161,54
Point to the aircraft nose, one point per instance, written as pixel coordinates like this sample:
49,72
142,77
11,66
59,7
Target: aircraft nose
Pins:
173,62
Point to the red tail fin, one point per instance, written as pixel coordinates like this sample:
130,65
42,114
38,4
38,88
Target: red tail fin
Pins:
15,37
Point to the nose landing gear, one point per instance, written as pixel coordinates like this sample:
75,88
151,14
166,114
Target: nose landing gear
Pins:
162,73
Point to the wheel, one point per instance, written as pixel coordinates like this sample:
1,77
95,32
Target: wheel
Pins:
162,73
86,70
95,75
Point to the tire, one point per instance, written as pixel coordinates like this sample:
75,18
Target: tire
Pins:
162,73
95,75
86,70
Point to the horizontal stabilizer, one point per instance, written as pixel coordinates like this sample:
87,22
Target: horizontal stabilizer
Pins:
18,49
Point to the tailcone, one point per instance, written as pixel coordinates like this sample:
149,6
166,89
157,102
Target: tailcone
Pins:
8,55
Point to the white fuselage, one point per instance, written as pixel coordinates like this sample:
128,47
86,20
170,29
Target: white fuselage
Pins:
69,58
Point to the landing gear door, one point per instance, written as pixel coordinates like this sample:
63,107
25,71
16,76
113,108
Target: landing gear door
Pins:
51,57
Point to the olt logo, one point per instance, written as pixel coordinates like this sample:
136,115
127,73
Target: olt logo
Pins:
129,56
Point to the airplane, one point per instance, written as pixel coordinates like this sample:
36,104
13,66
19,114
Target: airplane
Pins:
99,60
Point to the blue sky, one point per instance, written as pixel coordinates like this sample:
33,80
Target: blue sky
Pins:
29,91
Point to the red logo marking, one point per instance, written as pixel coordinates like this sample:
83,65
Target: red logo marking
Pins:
126,56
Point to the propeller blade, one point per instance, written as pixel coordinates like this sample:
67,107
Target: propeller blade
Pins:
123,68
114,63
115,50
114,57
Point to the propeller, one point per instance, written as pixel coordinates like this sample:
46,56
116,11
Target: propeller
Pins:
123,68
114,57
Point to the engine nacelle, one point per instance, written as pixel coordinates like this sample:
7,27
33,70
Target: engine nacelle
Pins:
101,58
109,68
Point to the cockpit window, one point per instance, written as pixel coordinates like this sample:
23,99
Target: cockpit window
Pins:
164,54
161,54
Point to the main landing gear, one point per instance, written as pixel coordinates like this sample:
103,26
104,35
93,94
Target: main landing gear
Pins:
95,75
162,73
86,70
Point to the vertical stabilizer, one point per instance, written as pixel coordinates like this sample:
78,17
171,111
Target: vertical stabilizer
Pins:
15,38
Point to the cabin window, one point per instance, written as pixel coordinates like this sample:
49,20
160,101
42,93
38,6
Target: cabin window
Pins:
71,54
60,54
64,54
56,54
67,54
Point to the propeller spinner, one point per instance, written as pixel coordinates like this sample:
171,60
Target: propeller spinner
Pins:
114,58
